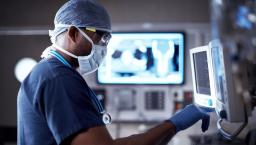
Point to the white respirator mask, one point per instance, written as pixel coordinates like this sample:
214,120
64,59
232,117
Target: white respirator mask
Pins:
90,63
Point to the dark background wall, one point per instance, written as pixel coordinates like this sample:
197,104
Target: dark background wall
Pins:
160,11
39,14
26,13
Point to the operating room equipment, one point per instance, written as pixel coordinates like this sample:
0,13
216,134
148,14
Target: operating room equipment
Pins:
231,63
234,55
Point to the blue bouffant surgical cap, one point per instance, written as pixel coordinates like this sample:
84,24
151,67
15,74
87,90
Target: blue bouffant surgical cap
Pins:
81,13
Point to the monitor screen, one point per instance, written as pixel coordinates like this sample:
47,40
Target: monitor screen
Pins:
202,73
144,58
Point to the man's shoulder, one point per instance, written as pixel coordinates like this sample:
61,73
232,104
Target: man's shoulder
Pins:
49,69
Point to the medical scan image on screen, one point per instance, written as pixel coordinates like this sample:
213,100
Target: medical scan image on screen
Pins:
202,73
144,58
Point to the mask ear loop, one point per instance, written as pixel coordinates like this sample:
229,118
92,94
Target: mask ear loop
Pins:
90,40
85,35
63,50
53,40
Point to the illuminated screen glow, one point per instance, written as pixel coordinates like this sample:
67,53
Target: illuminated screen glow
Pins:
143,58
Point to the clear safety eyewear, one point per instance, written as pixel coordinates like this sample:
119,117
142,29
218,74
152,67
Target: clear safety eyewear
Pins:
105,36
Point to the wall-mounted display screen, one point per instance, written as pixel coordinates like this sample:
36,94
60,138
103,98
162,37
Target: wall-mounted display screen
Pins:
144,58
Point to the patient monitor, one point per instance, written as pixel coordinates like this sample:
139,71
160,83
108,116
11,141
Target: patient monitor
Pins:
234,66
224,70
202,75
217,86
229,103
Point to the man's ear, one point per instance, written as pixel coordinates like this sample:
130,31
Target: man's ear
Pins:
72,34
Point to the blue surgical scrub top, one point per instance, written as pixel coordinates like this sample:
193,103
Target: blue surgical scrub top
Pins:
54,103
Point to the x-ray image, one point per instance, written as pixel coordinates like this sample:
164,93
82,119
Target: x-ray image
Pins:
141,58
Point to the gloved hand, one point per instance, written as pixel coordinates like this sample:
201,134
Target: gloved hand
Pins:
189,116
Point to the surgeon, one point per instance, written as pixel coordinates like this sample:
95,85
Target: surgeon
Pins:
55,104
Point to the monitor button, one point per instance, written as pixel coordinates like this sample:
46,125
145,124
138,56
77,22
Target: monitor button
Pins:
210,102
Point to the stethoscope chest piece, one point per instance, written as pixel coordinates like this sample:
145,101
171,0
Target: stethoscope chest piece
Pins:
106,118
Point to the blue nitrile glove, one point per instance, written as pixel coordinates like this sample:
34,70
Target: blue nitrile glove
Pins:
189,116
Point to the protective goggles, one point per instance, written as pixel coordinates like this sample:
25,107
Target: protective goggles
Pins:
105,36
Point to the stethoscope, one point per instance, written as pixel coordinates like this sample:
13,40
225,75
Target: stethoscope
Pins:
106,118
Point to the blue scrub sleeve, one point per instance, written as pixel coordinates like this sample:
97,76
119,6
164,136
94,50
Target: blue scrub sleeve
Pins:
67,107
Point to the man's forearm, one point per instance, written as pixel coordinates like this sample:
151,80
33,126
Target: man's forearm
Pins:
159,135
